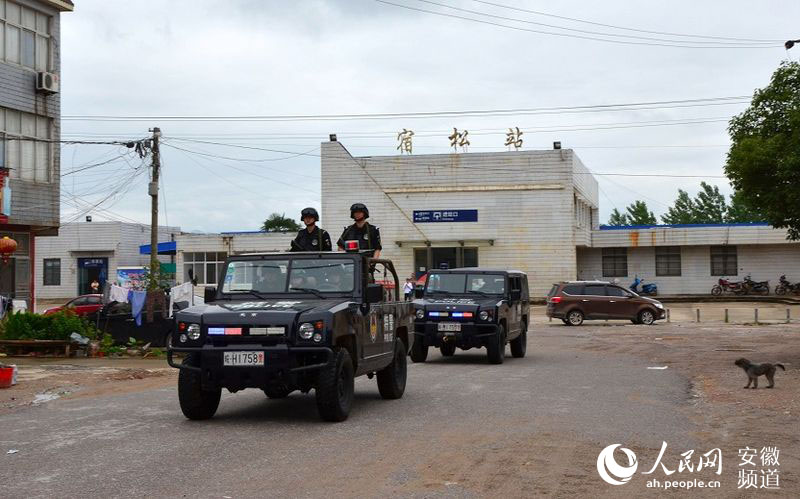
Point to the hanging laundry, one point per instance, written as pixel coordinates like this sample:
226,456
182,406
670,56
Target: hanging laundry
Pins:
182,292
118,294
137,299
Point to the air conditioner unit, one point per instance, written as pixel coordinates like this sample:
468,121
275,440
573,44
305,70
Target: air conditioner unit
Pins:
46,82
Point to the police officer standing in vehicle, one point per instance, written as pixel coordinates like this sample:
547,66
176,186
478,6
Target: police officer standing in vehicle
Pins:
368,236
312,238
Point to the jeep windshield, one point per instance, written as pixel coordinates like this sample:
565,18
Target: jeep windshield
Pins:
291,275
465,284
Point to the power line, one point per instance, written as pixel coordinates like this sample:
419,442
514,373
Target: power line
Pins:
738,44
667,33
565,35
630,106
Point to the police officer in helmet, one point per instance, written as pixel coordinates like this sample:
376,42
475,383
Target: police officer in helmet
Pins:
368,236
312,238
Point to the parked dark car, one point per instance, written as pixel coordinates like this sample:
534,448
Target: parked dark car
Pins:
576,301
472,308
83,305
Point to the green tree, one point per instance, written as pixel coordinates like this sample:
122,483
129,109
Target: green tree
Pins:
709,205
739,211
638,214
682,212
279,223
617,218
764,159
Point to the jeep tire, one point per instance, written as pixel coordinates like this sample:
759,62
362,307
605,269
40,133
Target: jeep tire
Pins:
195,402
392,378
520,344
419,352
334,391
496,349
448,348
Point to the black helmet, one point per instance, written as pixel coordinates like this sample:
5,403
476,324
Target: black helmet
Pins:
309,212
359,207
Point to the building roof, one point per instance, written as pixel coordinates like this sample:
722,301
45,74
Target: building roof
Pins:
62,5
682,226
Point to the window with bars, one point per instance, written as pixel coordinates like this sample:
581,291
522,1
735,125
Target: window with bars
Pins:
668,260
24,36
724,261
52,272
206,266
615,262
24,146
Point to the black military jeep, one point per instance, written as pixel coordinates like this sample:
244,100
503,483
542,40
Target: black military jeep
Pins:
294,321
472,308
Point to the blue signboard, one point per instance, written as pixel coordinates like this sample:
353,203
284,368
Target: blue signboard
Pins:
445,216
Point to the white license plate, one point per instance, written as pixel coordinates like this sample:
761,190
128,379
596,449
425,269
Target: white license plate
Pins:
449,326
243,359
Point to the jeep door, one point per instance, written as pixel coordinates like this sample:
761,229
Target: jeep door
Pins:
515,303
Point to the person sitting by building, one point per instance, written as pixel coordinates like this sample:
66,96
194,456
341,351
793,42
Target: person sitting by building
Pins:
312,238
368,236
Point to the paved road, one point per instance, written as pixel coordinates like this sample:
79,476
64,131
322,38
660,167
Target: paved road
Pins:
463,428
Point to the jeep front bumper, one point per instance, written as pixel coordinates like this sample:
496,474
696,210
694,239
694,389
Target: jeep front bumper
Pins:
282,364
472,335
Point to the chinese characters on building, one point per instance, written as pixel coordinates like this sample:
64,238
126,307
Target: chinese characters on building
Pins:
404,138
514,138
459,139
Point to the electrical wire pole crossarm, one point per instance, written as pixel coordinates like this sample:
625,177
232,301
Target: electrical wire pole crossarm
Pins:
153,191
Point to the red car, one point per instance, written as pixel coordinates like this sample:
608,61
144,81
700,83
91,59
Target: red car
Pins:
82,305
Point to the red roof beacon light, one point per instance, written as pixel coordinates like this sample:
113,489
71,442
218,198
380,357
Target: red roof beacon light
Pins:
351,245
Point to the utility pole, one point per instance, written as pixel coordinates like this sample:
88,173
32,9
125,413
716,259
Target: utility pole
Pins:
153,191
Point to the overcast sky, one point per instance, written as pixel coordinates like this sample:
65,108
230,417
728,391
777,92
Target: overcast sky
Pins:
312,57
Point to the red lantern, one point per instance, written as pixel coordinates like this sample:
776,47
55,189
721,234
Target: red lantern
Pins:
7,248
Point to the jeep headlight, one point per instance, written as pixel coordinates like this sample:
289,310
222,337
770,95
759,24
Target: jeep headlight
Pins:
306,331
193,331
484,315
658,305
420,313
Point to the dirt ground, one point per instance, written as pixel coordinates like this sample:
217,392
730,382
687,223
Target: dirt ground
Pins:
44,380
727,415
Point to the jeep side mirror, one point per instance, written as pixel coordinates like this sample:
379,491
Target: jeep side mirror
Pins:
374,293
209,294
419,291
516,294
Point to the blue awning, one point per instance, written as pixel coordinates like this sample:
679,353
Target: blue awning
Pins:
167,248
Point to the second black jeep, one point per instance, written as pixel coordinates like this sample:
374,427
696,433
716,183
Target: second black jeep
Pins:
472,308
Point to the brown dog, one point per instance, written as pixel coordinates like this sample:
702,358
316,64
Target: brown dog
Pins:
755,370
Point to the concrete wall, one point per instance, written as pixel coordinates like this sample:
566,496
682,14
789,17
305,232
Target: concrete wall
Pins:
117,241
763,262
35,203
525,202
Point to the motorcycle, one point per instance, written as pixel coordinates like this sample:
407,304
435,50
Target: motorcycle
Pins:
785,287
647,289
755,287
724,285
